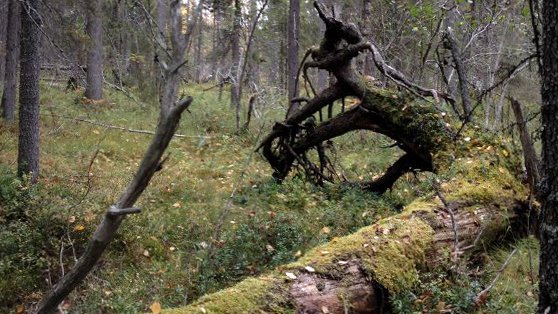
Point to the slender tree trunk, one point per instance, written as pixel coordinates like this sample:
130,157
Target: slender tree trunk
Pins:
162,17
12,50
461,72
235,86
28,148
293,34
94,89
3,37
532,163
548,294
199,50
365,27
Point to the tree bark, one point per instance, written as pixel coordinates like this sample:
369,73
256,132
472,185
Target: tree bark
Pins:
293,34
12,51
365,26
28,144
531,160
3,37
235,49
94,88
461,73
548,269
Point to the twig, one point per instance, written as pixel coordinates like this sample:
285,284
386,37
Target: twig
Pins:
114,127
481,296
452,216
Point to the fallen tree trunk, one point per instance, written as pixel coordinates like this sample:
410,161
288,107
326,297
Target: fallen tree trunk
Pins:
477,203
357,273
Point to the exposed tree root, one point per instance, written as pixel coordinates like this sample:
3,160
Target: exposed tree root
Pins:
410,121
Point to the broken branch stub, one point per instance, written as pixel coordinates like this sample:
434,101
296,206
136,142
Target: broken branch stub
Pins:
405,117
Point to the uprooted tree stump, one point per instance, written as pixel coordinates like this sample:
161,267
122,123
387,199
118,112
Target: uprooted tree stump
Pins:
406,117
478,200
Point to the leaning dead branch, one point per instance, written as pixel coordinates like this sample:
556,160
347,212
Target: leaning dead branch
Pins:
169,119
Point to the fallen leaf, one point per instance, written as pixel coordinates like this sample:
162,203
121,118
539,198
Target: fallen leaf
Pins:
326,230
325,309
176,205
155,307
146,253
298,253
79,228
269,248
72,219
291,276
309,269
20,309
342,262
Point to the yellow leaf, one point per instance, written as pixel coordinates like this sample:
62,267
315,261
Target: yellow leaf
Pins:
155,307
79,228
20,309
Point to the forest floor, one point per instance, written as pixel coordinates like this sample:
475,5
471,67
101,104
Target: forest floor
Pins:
210,218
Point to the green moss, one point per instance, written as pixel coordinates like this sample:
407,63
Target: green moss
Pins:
388,251
414,118
245,297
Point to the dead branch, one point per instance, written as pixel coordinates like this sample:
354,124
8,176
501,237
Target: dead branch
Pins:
169,119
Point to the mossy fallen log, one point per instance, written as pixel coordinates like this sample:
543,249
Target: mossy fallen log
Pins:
477,199
480,204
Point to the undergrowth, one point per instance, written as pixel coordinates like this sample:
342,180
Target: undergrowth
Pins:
194,235
172,252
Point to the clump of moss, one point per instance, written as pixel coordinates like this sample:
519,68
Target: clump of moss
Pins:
245,297
391,244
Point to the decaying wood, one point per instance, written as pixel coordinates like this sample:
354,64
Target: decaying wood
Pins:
532,163
391,113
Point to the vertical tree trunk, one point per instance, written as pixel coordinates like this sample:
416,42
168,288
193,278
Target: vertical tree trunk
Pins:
235,86
12,50
162,17
532,164
28,148
94,89
199,49
548,294
461,72
365,28
293,33
3,37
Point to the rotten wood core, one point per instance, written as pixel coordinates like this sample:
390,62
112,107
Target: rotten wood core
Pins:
290,142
